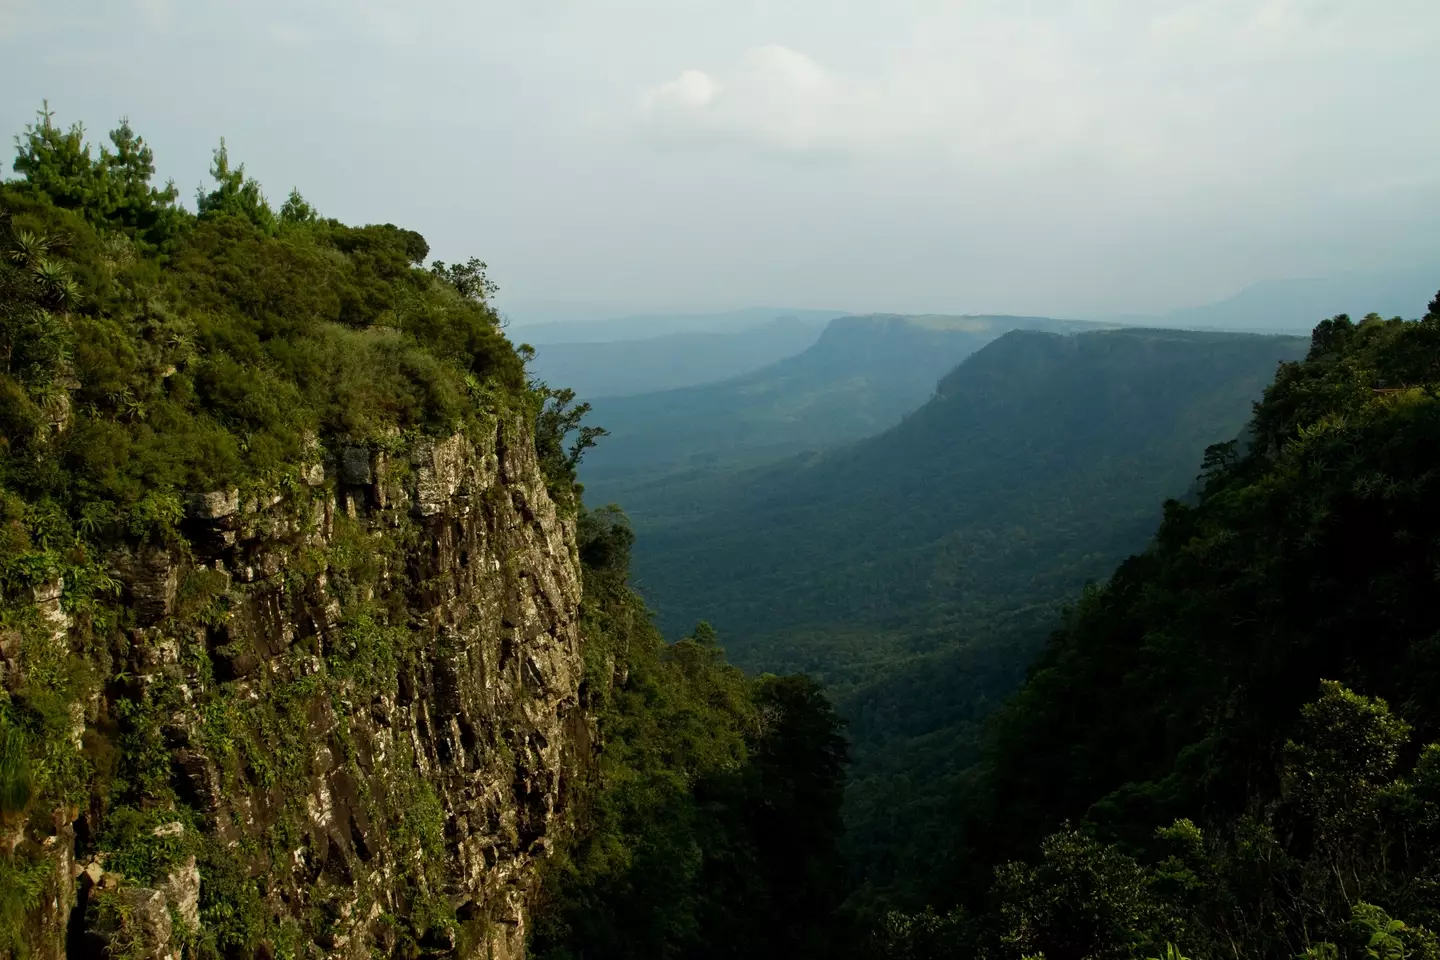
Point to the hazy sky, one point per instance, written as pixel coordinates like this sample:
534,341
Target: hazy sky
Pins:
606,156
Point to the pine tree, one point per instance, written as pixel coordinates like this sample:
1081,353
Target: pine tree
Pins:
297,209
145,212
235,194
58,164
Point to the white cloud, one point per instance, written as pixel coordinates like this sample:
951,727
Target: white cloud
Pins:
774,96
976,104
692,90
1208,89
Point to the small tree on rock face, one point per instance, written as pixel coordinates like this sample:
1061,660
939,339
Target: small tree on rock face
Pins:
555,422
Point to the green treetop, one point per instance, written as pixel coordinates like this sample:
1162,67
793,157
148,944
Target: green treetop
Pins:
234,195
58,164
110,189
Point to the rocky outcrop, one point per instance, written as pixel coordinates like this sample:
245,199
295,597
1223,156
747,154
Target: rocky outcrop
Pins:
362,688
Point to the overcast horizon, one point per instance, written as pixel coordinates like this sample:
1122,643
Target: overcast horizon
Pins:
1093,157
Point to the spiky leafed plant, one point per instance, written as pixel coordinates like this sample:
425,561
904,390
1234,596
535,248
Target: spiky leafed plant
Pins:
29,249
56,283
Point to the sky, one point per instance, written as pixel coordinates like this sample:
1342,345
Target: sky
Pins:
1066,157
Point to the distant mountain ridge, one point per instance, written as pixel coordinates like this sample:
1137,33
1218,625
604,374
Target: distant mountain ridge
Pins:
861,376
626,367
1296,305
649,326
1030,412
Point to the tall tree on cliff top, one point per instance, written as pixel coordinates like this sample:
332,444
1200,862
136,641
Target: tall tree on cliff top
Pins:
111,189
235,194
58,164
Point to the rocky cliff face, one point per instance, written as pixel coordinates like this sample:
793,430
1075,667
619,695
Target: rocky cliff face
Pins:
339,717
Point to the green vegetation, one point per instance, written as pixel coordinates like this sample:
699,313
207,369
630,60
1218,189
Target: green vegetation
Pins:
211,364
916,573
713,830
1301,874
149,355
1215,720
1229,749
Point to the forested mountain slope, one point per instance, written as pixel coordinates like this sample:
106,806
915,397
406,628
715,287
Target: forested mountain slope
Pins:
917,571
624,367
1034,454
862,376
1240,725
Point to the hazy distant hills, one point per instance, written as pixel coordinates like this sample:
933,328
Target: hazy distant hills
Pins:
861,376
648,326
1295,306
1040,460
621,367
629,356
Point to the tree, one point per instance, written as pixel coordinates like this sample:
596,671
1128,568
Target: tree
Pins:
1331,335
1348,752
467,279
147,213
235,195
111,190
57,163
296,209
555,422
1086,900
922,936
799,756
